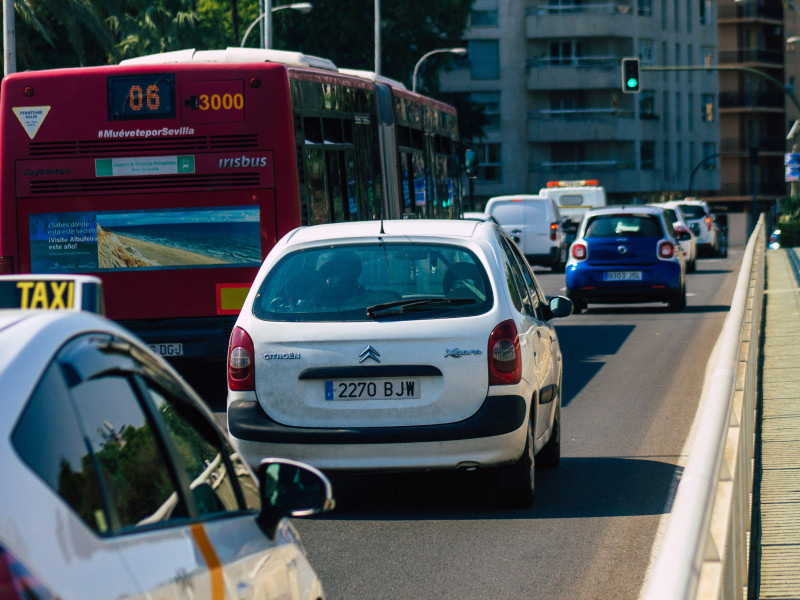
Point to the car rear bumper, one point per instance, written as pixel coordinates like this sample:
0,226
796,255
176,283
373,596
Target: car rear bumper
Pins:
493,435
657,284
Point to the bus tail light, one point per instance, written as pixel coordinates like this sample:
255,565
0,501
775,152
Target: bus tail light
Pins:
553,231
579,251
6,265
666,249
708,221
241,370
17,582
505,363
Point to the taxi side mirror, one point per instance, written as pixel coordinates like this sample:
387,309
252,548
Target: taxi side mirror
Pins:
290,488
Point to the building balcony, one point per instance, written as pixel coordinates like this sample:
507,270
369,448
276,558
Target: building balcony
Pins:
752,100
574,125
586,72
749,12
738,146
767,188
751,57
547,21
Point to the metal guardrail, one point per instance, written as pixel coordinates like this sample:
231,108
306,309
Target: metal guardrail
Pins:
704,550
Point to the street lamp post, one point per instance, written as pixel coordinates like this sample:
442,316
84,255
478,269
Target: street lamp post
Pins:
265,18
458,51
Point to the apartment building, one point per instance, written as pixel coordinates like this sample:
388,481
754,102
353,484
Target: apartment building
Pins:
755,113
548,75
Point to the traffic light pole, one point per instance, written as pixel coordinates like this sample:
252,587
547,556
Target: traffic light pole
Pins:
761,74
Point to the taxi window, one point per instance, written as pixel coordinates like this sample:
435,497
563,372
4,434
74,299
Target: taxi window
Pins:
213,469
131,463
61,459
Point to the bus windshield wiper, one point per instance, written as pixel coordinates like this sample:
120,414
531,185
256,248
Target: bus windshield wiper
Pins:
415,304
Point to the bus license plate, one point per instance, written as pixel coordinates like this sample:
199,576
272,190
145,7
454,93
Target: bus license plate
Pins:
622,276
174,349
372,389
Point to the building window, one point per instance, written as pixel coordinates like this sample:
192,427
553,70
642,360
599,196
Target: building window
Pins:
679,158
706,12
677,14
664,59
690,111
489,166
708,56
708,111
677,61
646,52
709,156
692,162
645,8
667,173
565,53
664,15
647,104
678,111
689,61
647,156
490,101
484,59
665,111
483,18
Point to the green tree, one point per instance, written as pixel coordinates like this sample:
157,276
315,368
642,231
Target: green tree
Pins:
148,26
61,33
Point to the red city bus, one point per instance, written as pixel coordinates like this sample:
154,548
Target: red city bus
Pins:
171,176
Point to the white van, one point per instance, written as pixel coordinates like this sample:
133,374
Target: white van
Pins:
574,198
536,223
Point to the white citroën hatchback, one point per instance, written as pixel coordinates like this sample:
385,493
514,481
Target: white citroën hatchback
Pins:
399,345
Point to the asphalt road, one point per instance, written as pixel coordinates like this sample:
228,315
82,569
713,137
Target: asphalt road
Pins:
632,381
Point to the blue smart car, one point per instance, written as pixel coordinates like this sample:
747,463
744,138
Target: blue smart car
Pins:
626,254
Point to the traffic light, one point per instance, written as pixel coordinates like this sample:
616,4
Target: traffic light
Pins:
630,75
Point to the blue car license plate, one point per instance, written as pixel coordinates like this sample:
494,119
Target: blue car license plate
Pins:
622,276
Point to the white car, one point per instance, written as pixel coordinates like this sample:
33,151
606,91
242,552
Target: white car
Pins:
684,235
698,215
117,482
399,345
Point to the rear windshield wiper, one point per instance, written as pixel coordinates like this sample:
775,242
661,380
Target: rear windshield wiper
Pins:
415,304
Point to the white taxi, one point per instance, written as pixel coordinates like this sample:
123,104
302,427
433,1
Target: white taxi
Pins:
409,344
116,481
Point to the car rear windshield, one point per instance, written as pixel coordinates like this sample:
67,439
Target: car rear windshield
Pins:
693,211
376,281
623,225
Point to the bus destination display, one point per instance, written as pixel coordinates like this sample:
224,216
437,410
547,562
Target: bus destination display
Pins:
141,97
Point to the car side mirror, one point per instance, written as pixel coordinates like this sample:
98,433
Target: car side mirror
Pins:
560,306
290,488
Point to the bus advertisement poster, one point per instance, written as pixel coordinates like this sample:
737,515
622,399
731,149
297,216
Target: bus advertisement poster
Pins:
116,240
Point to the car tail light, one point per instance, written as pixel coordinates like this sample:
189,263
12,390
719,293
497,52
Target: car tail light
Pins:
579,251
17,582
6,265
666,249
708,221
505,363
553,231
241,375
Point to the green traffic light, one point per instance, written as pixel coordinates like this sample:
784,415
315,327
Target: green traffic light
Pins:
632,82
